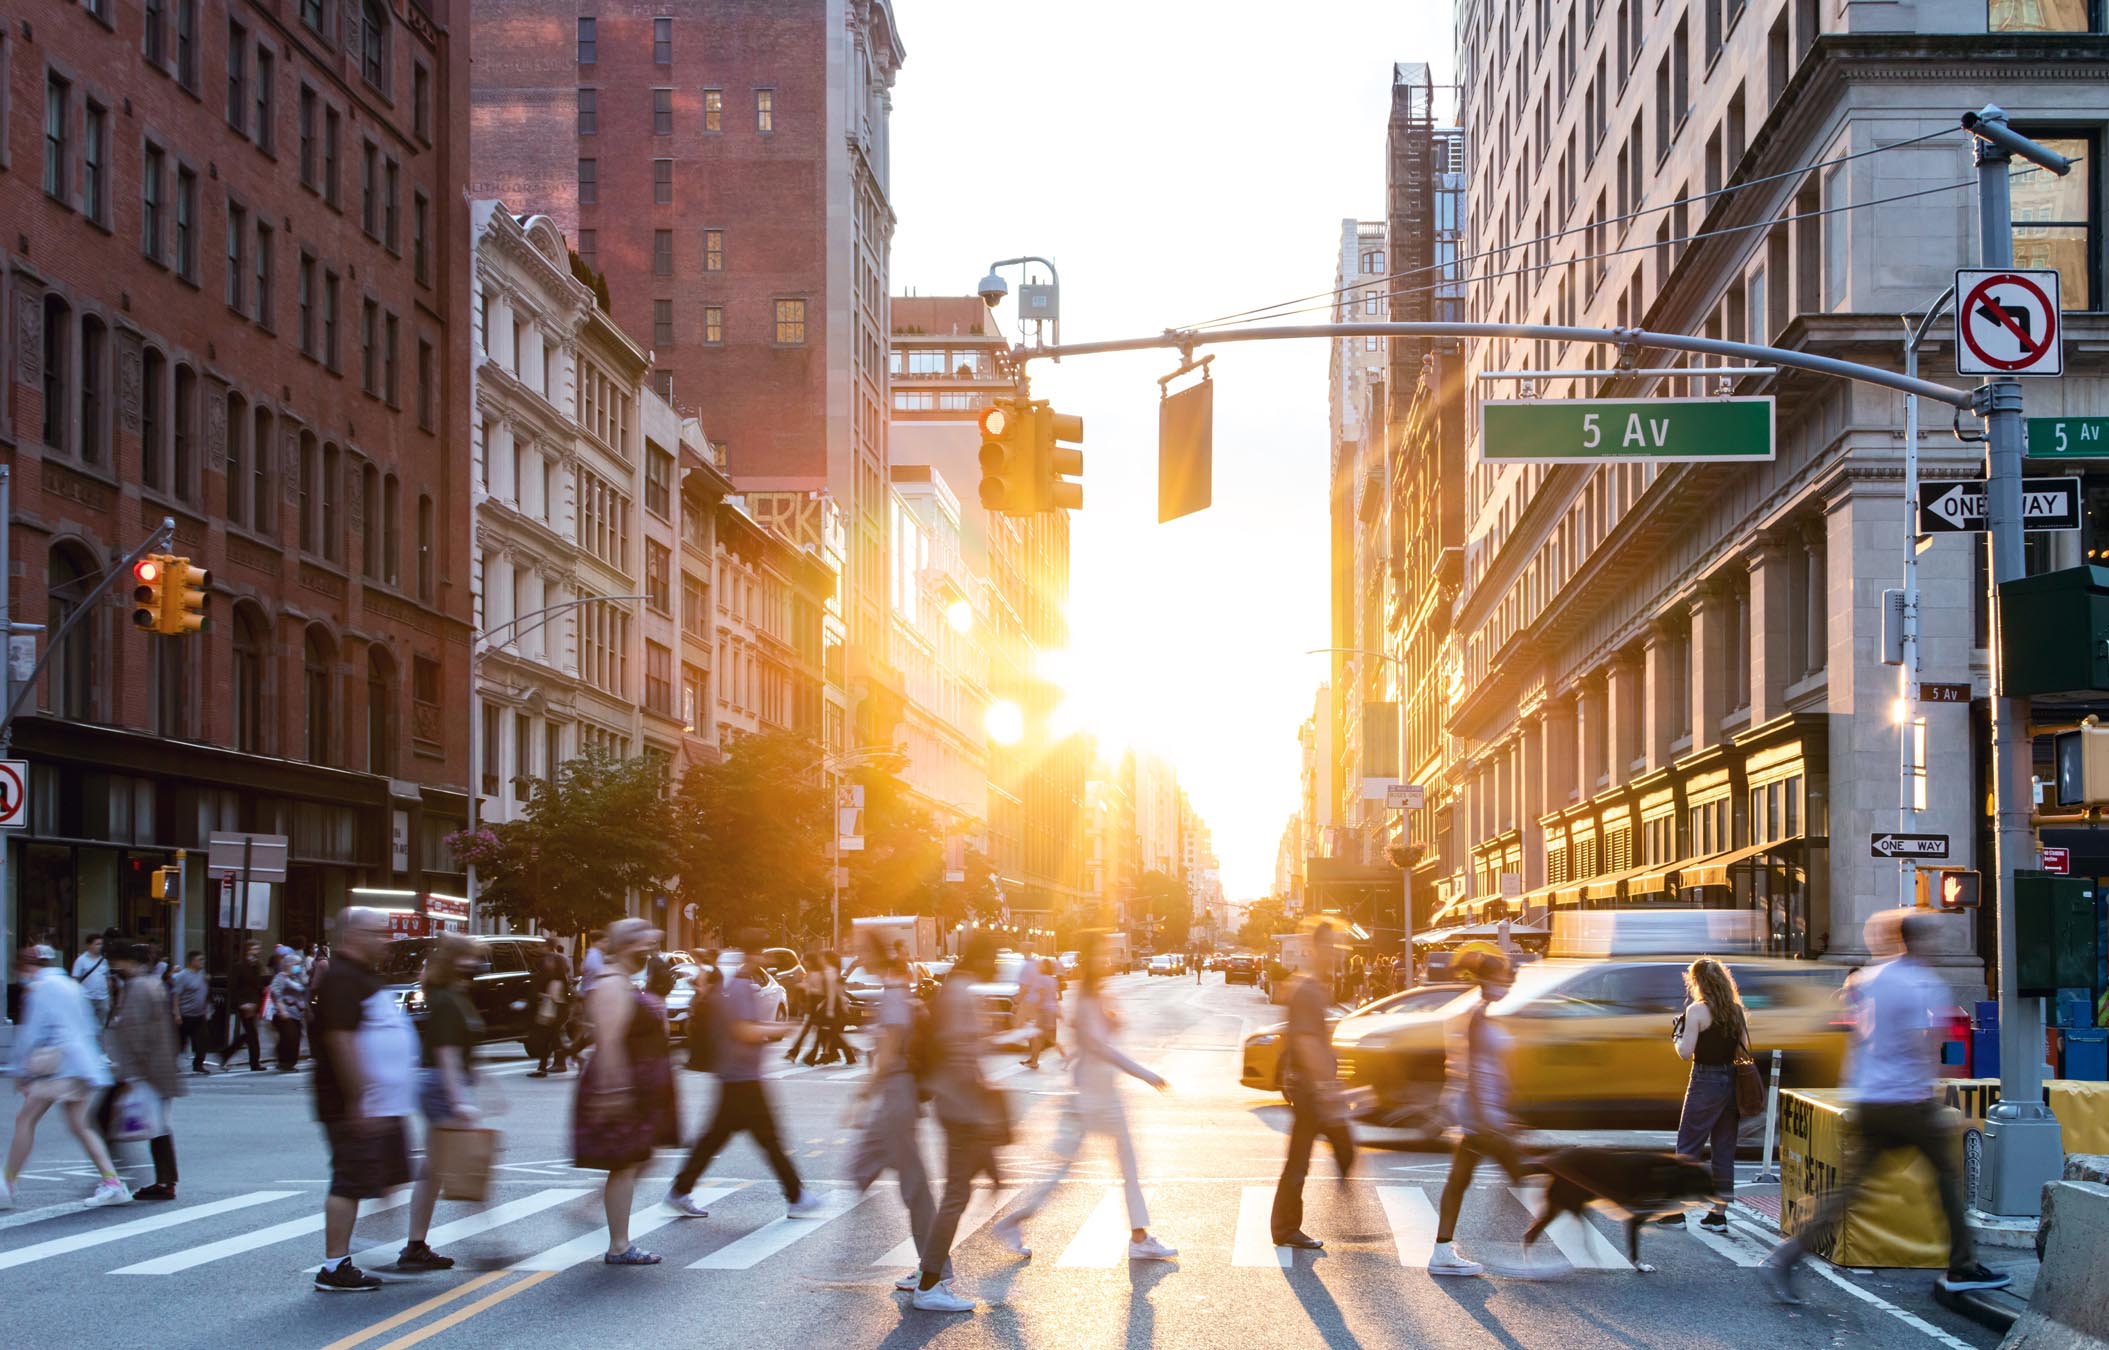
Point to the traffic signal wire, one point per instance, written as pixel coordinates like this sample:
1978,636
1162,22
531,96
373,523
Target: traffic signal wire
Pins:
1267,311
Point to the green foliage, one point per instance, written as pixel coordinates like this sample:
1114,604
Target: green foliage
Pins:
1165,900
1263,919
751,835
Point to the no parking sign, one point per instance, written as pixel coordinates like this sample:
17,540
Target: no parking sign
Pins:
14,794
2007,323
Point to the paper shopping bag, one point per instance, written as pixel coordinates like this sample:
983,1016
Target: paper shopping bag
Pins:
461,1158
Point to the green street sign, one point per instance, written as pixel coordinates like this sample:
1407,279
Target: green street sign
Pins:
1600,431
2068,438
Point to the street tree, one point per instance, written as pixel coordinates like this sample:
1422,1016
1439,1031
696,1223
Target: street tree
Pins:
750,834
1169,907
1264,919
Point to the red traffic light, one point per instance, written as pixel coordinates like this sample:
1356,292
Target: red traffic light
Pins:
147,570
995,422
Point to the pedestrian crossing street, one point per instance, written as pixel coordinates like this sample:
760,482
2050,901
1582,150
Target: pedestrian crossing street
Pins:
856,1238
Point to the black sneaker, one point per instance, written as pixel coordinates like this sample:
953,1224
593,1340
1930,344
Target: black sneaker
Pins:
417,1256
1976,1275
345,1279
1714,1221
1779,1278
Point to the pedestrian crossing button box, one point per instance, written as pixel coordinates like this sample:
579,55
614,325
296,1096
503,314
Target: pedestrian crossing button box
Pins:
2054,631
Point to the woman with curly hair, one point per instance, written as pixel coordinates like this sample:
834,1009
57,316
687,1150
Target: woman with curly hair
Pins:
1713,1033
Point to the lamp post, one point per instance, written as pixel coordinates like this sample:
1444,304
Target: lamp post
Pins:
484,645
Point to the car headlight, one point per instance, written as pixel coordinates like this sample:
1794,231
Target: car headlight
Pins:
1255,1042
414,1000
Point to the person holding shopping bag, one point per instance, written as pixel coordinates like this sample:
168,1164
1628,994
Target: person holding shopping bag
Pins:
142,1045
1095,1109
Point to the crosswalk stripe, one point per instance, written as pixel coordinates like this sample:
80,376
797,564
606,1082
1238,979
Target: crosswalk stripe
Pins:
981,1207
1003,1071
1254,1245
1578,1240
588,1246
22,1256
1103,1240
1742,1253
47,1212
791,1071
1412,1221
247,1242
766,1241
481,1222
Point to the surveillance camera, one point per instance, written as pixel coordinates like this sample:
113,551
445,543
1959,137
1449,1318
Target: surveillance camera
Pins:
992,289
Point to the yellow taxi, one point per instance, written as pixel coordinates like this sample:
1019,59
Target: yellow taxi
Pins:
1591,1040
1263,1050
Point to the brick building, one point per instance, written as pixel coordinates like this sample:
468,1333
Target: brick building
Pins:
234,283
724,164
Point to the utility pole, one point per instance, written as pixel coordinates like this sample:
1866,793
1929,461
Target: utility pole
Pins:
1910,770
2023,1145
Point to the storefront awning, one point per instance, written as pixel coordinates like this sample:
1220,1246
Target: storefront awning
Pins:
1717,870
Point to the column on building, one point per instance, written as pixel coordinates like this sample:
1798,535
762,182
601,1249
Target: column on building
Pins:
1713,642
1772,619
1589,735
1662,719
1557,741
1623,683
1534,804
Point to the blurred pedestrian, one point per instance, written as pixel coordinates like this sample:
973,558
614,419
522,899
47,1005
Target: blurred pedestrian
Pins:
193,997
891,1103
446,1074
245,1000
366,1055
1043,1011
91,970
974,1114
1713,1033
1095,1108
1896,1008
594,963
552,1008
811,991
58,1060
1311,1081
625,1106
829,1045
142,1045
1476,1072
289,1008
743,1104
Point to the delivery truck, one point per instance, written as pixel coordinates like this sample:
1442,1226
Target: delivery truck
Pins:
914,935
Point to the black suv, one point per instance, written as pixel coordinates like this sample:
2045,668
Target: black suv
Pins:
504,992
1241,970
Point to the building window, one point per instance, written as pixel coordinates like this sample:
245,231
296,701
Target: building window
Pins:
307,137
153,428
2053,219
152,172
153,39
589,247
790,323
311,14
658,482
765,110
663,182
714,325
370,190
390,389
57,151
588,43
310,493
373,44
658,577
237,228
369,346
420,238
95,355
260,470
589,112
662,253
330,132
187,43
391,214
264,237
662,42
2040,16
237,75
186,225
317,654
74,669
658,679
662,112
662,323
266,138
306,284
95,164
425,391
421,101
248,679
589,182
182,478
332,499
713,110
693,699
695,607
713,250
391,532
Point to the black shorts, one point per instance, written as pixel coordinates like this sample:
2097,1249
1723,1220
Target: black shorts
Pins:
370,1159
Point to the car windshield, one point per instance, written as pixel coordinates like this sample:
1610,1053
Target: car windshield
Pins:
404,959
938,969
1008,969
857,977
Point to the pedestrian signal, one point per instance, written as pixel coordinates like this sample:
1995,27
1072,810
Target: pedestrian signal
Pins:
151,575
1949,889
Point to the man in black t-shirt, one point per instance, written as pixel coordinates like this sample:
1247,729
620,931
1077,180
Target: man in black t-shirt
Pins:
552,1010
245,997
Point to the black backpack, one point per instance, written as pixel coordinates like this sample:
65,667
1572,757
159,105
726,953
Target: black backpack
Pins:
706,1018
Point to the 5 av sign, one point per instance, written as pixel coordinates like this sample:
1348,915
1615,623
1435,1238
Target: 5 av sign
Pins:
2046,504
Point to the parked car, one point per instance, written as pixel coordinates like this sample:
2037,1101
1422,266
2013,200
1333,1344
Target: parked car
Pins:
790,971
775,1000
863,987
503,992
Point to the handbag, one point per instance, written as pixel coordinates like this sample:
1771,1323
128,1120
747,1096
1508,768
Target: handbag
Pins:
138,1113
461,1158
1750,1087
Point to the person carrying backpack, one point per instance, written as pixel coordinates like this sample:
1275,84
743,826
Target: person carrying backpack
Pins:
892,1094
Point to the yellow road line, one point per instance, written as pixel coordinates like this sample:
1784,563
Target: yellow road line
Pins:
460,1315
411,1314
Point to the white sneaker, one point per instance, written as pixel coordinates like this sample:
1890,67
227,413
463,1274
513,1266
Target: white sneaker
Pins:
110,1191
684,1204
806,1206
1447,1260
940,1298
1009,1238
7,1196
1150,1249
910,1282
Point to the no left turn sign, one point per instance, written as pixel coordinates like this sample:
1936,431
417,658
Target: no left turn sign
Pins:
2007,323
14,794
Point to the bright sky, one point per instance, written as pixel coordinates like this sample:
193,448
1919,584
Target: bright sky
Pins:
1178,160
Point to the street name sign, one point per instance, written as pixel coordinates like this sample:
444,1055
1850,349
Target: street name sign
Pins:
1894,845
1959,507
1405,797
1944,693
14,794
2007,322
2068,438
1598,431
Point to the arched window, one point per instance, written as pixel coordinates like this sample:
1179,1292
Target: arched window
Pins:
237,459
183,471
370,522
310,491
332,496
74,674
250,644
153,417
318,656
261,458
94,382
380,712
58,389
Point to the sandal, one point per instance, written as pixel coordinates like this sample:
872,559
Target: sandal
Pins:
634,1256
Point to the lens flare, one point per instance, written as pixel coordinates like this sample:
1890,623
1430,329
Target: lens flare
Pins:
1005,722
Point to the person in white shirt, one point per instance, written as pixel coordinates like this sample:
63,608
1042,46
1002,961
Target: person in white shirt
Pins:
1891,1067
593,963
91,970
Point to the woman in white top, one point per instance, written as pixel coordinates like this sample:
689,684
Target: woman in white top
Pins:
58,1058
1095,1109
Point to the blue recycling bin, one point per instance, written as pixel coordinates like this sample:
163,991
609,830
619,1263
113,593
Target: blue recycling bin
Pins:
1984,1052
1984,1014
2074,1008
2087,1054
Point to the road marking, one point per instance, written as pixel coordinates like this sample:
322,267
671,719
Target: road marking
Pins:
981,1207
482,1222
1742,1253
1912,1320
791,1071
1412,1221
766,1241
22,1256
1578,1239
246,1242
1003,1071
415,1311
47,1212
1103,1240
1254,1245
587,1246
460,1315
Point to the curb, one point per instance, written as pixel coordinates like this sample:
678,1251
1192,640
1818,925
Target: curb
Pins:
1994,1309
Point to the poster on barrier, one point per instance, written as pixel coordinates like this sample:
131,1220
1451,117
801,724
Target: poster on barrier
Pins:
1895,1220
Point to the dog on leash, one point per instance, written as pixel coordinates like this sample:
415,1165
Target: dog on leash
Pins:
1645,1184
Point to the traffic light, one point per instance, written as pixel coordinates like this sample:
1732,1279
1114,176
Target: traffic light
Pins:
2083,765
1949,889
184,593
164,880
1008,483
1058,464
151,577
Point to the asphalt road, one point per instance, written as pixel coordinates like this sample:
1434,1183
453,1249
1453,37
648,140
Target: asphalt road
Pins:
224,1264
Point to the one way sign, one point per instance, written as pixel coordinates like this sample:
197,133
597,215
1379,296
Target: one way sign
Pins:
1893,845
2046,504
